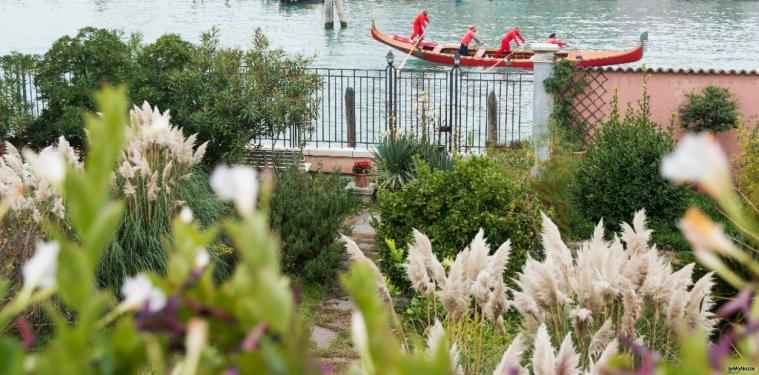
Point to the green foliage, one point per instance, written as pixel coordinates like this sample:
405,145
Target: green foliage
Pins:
554,186
245,324
564,87
620,174
451,206
227,96
747,164
139,243
379,349
230,96
15,110
67,75
713,109
307,211
395,159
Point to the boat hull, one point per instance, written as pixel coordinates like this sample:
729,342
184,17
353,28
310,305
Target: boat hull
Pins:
518,59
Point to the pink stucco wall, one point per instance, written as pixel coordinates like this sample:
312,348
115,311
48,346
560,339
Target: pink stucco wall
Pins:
667,91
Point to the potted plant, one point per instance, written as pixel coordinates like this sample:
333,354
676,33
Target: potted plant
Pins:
361,171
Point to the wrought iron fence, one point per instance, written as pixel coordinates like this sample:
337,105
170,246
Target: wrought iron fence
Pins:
450,108
358,106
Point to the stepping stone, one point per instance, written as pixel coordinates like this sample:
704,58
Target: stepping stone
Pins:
363,229
366,247
322,337
339,304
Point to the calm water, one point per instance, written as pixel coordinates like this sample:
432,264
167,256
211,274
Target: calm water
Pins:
694,34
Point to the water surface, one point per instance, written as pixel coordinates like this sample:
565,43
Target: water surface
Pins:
683,34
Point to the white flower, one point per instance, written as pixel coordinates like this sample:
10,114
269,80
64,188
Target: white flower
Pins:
139,291
185,215
49,165
197,337
361,339
39,270
202,259
238,184
704,234
699,158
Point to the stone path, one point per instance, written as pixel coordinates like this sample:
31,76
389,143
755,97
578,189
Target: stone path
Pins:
332,320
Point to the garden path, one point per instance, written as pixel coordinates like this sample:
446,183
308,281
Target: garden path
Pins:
332,319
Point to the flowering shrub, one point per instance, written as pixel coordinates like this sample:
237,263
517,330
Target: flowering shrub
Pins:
609,290
34,199
362,166
182,322
700,160
155,176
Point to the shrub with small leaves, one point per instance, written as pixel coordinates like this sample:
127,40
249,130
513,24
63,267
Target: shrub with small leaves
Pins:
713,109
620,174
452,206
307,211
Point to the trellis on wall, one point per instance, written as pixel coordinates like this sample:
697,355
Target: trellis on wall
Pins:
587,104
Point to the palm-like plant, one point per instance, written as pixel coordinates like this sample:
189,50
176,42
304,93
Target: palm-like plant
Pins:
395,159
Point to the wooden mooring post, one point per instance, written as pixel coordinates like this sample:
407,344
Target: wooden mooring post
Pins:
350,115
329,14
492,105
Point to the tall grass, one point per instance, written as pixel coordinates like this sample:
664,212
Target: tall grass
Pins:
158,174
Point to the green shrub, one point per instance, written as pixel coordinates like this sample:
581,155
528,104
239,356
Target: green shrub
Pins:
620,174
450,206
15,111
713,109
308,211
67,75
227,96
554,186
230,97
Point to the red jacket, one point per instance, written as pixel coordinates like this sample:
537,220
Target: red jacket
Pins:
421,20
506,42
514,35
556,42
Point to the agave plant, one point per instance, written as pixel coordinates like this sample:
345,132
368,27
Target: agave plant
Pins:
397,157
394,156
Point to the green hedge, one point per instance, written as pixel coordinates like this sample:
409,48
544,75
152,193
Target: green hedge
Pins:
450,206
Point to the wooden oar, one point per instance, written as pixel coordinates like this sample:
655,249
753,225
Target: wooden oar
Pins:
505,58
400,67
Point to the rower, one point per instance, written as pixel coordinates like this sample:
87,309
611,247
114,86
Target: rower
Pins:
514,35
552,40
464,48
420,23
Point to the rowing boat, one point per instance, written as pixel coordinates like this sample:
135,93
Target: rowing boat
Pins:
443,53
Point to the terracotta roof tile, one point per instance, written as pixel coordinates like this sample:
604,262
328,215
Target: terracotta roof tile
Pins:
677,70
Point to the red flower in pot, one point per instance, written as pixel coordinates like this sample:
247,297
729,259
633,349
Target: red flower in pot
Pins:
361,170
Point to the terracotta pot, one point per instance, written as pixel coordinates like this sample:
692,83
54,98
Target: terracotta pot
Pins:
362,180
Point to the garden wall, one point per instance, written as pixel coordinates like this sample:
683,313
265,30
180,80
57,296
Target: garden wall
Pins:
667,89
327,160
